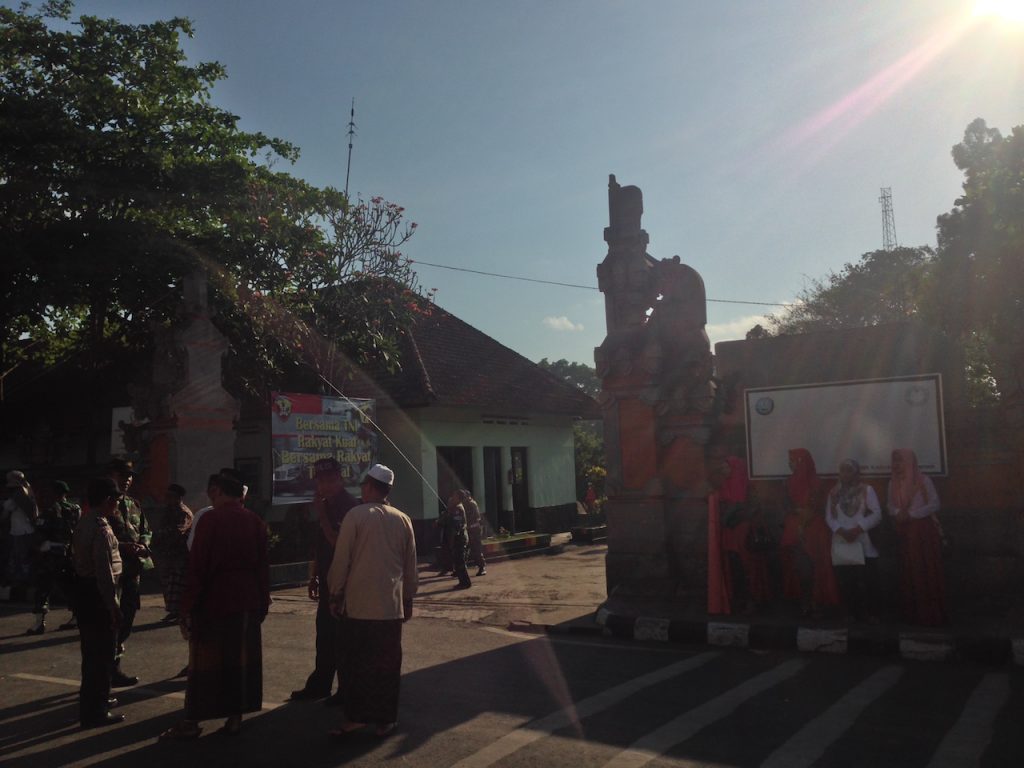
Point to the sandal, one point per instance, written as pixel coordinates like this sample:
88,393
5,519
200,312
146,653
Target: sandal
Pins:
385,729
181,732
341,733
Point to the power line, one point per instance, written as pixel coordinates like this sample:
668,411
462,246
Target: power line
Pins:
575,285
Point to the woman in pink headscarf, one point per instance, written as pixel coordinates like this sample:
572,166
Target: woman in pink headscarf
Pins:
805,550
913,503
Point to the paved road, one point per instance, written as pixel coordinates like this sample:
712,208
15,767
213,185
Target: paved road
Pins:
477,695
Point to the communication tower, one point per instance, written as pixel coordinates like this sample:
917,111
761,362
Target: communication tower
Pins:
888,221
351,135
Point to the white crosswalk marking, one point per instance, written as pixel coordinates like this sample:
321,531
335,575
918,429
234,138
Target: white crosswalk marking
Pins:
970,735
811,741
563,718
676,731
149,693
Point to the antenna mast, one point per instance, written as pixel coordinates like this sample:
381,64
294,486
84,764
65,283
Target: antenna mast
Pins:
888,220
351,135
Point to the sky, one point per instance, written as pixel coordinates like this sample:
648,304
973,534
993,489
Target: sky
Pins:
760,133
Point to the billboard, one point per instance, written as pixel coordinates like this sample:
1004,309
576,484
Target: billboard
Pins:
306,428
862,420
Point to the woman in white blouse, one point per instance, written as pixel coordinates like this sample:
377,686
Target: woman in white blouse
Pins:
851,512
913,503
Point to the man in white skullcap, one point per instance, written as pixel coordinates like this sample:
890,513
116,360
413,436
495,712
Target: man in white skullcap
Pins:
372,580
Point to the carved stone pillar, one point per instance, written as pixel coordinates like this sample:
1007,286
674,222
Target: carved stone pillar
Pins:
655,371
195,433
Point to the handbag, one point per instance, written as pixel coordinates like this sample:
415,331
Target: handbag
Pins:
846,552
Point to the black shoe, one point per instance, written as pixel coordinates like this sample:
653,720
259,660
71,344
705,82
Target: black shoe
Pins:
463,585
111,702
107,719
36,630
482,572
334,700
121,680
304,694
170,617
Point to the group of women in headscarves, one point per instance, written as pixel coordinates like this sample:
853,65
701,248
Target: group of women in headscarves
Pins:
826,554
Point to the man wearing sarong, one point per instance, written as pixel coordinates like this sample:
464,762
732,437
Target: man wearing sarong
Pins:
330,504
226,598
372,580
170,549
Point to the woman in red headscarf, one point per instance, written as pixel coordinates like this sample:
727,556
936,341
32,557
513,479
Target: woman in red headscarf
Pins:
805,550
746,571
913,503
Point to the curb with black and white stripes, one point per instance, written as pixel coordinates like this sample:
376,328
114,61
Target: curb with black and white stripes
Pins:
917,645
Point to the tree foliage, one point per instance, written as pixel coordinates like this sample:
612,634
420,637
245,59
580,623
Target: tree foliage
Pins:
578,375
882,287
118,176
978,293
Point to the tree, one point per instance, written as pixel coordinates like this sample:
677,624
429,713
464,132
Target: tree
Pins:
118,176
884,286
579,375
978,290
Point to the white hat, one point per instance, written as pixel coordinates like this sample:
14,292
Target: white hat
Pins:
381,474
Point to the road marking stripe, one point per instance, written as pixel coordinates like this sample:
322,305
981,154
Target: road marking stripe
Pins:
966,741
811,741
659,741
152,693
569,639
545,726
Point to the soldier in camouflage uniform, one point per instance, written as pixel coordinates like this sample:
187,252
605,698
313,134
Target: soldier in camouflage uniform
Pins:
52,563
133,535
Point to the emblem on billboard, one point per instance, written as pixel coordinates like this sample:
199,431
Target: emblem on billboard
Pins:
916,395
764,405
282,407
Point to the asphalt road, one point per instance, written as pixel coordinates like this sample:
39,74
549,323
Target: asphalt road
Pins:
476,695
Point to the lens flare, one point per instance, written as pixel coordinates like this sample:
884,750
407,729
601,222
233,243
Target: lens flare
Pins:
1004,10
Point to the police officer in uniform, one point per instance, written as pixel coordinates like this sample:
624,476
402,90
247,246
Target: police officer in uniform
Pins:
475,528
133,535
454,523
97,568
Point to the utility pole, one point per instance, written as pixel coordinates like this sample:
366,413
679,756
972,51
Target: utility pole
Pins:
351,135
888,220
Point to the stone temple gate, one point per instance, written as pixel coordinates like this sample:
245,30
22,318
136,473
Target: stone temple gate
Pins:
658,400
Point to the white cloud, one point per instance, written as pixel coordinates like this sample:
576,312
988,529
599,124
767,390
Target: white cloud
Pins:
733,330
562,323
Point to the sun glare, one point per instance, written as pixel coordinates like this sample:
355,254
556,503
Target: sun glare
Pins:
1004,10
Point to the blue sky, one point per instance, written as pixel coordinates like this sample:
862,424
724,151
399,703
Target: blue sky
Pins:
760,132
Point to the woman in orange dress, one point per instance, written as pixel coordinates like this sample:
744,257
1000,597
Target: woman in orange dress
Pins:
805,550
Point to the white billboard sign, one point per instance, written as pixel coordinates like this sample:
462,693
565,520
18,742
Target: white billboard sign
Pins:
862,420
